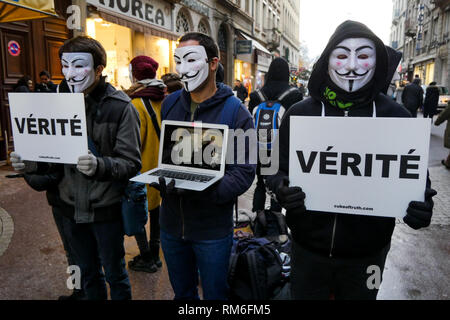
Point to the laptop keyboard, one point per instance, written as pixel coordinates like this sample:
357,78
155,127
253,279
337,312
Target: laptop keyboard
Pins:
182,176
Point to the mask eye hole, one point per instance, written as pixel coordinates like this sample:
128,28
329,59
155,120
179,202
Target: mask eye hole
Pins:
342,56
363,56
191,60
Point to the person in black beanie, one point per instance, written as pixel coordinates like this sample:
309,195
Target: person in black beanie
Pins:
277,83
331,252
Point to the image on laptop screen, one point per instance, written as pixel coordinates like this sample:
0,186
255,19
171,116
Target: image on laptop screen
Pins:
195,147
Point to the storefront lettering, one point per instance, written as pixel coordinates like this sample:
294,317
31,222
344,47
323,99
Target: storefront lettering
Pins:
138,9
328,163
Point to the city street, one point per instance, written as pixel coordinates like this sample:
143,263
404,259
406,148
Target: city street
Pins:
33,264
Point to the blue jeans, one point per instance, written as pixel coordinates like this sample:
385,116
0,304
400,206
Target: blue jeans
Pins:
186,259
96,245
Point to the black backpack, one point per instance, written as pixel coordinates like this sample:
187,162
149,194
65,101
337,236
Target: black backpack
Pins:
271,225
255,271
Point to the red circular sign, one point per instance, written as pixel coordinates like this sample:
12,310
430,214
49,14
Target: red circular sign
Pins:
14,48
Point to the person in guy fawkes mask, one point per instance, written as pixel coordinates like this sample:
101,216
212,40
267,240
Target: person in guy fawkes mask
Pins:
331,252
91,190
197,227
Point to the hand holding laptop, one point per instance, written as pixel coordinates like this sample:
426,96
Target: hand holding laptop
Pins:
170,189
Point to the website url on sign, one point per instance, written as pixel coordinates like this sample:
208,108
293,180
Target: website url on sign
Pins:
339,206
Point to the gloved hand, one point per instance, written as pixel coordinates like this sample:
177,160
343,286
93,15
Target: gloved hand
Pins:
17,162
87,164
418,214
291,198
170,189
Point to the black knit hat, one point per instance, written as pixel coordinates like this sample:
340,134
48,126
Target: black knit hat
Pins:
278,71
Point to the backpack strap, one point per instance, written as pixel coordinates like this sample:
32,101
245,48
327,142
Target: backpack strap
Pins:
169,102
286,93
152,113
230,111
261,95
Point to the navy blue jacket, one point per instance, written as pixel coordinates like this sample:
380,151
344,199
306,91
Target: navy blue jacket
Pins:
207,215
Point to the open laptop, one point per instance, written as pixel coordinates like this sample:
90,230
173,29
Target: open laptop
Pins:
192,153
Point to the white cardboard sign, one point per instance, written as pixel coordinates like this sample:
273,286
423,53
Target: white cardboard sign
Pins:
49,127
364,166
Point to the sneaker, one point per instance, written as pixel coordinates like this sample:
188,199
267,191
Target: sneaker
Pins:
140,264
76,295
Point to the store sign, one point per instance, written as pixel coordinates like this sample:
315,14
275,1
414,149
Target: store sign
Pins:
263,59
364,166
196,6
158,12
244,46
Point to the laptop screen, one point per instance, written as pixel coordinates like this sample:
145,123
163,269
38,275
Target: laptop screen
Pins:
194,147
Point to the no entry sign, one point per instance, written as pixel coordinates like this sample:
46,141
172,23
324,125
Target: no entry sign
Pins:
14,48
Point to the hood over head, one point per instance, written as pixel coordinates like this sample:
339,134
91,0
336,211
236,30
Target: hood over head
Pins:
350,29
278,71
394,58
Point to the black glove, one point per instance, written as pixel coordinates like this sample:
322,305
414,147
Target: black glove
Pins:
291,198
418,214
170,189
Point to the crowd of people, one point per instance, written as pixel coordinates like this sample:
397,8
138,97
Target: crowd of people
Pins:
195,229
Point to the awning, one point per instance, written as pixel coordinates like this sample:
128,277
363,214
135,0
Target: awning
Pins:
256,44
17,10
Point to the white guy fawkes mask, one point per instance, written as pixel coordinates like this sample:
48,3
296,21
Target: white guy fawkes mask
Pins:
78,69
352,63
192,66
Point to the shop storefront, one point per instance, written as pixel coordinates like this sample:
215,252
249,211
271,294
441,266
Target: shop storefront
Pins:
131,28
251,67
425,70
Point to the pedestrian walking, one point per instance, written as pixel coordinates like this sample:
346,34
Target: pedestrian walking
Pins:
197,227
412,97
241,91
331,252
445,116
431,100
276,86
46,85
147,95
91,191
24,84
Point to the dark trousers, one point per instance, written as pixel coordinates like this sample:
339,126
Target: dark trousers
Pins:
146,247
259,196
97,245
59,221
413,111
315,277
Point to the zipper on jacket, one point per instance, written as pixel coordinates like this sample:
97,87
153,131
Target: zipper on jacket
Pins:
333,235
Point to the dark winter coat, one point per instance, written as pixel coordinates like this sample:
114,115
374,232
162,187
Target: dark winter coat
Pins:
209,215
277,82
445,116
242,92
113,125
412,96
332,234
431,99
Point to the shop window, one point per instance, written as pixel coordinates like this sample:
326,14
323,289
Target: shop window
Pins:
182,23
202,28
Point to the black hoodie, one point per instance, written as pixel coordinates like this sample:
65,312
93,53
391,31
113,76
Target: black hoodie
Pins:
276,83
339,235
